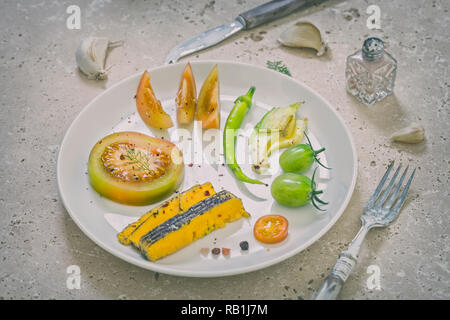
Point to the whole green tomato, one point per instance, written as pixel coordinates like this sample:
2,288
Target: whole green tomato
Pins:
291,189
300,157
295,190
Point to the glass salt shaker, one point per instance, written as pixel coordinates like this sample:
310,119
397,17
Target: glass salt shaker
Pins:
370,72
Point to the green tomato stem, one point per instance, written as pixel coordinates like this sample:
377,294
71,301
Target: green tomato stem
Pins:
318,151
315,205
315,192
319,200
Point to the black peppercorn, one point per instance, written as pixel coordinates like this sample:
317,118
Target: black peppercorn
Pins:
244,245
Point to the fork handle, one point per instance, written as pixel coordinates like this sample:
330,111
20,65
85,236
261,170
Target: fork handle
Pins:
333,283
347,260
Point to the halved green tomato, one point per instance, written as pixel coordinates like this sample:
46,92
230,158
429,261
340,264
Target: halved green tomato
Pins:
186,98
149,107
133,168
208,104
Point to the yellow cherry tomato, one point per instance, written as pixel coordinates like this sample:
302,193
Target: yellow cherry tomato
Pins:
271,229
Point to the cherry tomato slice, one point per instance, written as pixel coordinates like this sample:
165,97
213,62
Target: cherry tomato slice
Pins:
271,229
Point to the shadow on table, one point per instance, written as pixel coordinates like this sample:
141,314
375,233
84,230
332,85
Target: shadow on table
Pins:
104,276
389,116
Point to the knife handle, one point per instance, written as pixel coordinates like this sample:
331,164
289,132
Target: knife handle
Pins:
269,11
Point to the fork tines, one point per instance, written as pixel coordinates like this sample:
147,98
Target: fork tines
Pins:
376,201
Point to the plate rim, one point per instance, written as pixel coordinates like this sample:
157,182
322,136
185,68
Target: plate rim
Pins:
207,274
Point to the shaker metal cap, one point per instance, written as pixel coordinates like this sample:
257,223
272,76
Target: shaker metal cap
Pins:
373,49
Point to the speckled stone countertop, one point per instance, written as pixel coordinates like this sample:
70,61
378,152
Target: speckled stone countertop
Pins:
42,92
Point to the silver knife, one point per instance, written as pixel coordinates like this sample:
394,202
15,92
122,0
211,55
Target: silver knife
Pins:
250,19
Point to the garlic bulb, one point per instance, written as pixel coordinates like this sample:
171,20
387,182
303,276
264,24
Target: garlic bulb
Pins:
91,56
303,34
414,133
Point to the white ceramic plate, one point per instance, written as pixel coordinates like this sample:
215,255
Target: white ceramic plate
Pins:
115,110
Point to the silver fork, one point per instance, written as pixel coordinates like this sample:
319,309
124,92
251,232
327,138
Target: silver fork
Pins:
381,209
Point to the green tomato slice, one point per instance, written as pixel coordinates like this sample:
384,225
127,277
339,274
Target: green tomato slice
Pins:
135,169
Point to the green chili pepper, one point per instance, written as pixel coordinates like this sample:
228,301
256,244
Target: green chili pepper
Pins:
241,107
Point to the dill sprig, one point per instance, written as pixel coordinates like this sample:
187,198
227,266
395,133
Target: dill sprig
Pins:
137,157
278,66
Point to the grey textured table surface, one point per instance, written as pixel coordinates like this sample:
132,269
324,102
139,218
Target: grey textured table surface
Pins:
42,92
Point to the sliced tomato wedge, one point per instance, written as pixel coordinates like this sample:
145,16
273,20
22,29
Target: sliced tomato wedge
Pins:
186,98
135,169
150,108
208,105
271,229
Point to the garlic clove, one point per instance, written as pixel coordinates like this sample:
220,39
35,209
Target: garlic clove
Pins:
304,35
97,51
91,56
414,133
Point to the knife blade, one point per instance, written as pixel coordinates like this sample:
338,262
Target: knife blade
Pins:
245,21
204,40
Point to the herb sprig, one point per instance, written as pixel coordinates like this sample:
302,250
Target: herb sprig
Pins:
137,157
279,66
